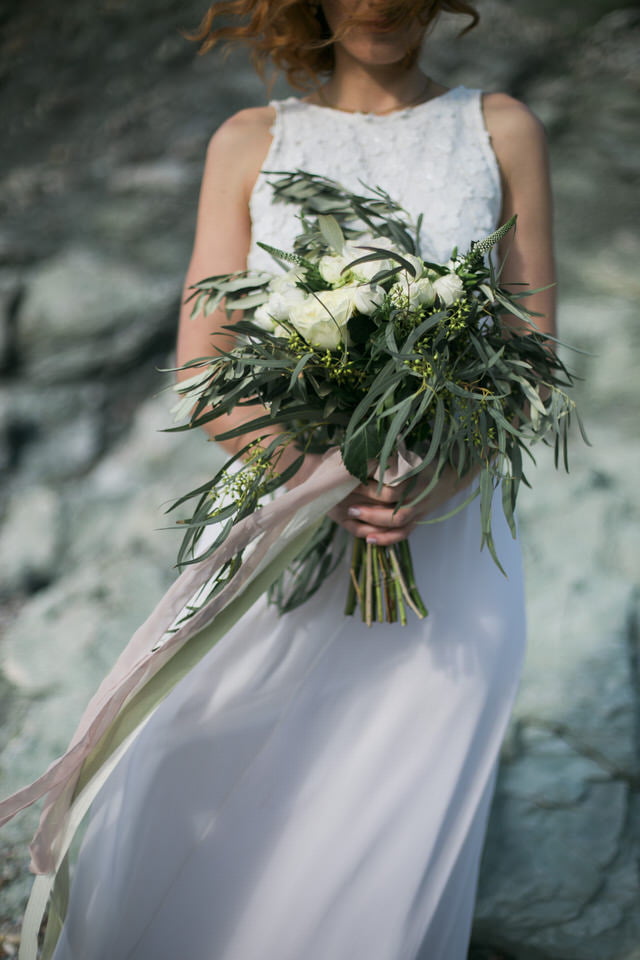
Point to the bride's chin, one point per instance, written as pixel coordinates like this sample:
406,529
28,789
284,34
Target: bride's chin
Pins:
377,52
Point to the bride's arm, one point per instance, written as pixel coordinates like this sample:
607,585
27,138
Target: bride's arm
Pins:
222,240
526,254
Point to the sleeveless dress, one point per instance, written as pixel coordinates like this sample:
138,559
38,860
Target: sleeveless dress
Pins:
316,789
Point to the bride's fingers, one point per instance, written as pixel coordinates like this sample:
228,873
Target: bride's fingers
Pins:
375,514
382,516
379,535
379,525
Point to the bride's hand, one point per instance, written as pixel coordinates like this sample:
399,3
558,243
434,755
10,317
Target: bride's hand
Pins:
369,514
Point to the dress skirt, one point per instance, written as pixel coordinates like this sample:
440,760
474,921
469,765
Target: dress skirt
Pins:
316,789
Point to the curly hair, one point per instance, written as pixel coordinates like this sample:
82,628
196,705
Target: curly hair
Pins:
293,35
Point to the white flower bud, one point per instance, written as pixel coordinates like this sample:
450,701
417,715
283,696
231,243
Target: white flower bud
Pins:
279,304
417,265
422,293
262,319
367,297
331,268
366,271
449,288
286,281
322,318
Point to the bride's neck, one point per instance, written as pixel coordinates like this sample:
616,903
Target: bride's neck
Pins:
362,88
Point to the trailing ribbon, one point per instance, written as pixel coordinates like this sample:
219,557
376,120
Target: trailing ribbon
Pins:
155,660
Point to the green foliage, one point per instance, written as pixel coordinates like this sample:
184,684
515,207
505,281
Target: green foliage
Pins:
316,195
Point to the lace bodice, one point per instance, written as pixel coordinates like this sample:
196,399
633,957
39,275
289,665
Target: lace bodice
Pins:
435,158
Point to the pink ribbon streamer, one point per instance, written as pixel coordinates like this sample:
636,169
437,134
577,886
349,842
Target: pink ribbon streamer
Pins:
142,658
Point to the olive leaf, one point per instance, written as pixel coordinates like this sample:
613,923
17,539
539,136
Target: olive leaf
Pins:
330,230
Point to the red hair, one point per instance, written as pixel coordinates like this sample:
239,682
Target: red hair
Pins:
294,36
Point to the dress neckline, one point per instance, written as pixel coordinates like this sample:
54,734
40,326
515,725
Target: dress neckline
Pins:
363,115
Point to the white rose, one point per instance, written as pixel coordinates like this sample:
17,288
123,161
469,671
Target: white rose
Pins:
262,319
449,288
279,304
331,268
366,271
366,297
321,319
417,265
286,281
421,293
368,240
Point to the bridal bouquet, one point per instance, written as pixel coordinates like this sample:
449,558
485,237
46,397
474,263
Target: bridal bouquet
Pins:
406,365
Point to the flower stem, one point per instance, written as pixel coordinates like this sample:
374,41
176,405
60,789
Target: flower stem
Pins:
378,585
400,601
401,583
387,583
352,594
382,583
362,583
407,565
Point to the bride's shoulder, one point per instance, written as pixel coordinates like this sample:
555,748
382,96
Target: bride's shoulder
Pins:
507,117
240,144
514,128
243,136
244,128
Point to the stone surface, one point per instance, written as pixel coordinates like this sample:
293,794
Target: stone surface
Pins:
50,435
84,315
10,290
560,870
29,540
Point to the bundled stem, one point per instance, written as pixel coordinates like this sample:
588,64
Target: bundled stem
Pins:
382,583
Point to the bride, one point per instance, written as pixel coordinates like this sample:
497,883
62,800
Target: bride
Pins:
317,790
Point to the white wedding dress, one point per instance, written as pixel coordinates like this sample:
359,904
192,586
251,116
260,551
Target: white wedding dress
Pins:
317,789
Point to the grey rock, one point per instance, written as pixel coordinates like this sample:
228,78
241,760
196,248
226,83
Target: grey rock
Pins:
10,289
120,506
559,876
83,314
167,174
52,431
29,540
69,449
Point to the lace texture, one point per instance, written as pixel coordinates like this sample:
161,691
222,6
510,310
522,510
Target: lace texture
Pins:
435,158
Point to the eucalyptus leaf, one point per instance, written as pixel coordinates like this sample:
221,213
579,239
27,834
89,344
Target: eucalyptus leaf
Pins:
362,447
330,230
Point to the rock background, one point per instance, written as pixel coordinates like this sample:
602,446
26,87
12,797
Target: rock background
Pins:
108,112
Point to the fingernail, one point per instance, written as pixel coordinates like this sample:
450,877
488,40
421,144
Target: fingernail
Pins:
371,540
354,511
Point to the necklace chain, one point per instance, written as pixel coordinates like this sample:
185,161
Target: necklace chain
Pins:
400,106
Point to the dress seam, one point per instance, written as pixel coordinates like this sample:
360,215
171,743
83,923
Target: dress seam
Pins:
486,144
276,131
